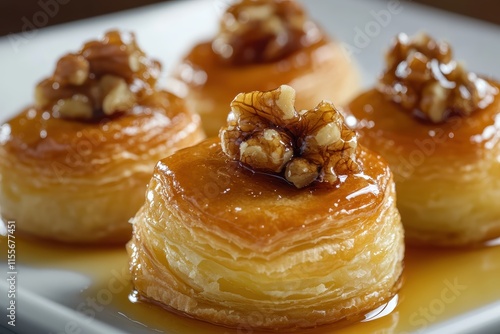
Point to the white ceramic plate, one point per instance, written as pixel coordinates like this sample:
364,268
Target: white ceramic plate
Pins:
68,290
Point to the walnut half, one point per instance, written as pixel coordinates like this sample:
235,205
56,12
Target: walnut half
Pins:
105,77
423,78
267,133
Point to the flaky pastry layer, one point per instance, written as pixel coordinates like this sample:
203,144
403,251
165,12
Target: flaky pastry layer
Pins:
223,245
322,71
447,175
75,181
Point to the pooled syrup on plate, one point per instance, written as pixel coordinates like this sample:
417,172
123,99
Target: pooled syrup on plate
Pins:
438,285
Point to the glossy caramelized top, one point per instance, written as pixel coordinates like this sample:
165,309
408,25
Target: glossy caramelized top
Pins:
426,105
205,67
260,31
383,124
206,187
202,68
49,143
100,106
106,76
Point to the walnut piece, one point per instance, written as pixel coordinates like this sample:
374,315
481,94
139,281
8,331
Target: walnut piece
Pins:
105,77
423,78
72,69
266,133
78,106
117,95
256,31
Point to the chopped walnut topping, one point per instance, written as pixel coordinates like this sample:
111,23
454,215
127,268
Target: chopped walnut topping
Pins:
267,150
423,78
256,31
266,133
301,172
117,95
105,77
72,69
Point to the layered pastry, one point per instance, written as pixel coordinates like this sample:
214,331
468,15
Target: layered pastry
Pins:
284,222
260,45
74,166
437,124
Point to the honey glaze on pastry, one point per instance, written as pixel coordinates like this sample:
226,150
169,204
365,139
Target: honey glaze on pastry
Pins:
438,126
74,167
260,45
284,223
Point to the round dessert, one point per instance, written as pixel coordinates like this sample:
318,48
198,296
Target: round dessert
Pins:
74,167
284,223
438,126
260,45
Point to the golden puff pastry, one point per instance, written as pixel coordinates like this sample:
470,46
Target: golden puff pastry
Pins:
260,45
438,126
262,239
74,167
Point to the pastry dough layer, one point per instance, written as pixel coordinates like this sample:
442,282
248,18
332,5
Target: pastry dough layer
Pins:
447,175
322,71
76,181
219,243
